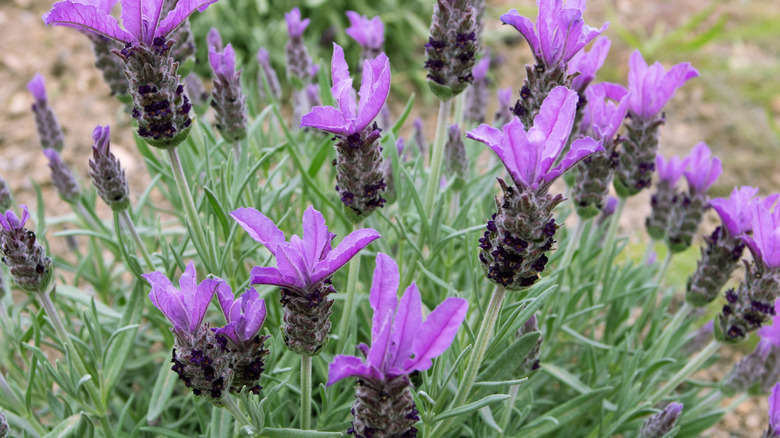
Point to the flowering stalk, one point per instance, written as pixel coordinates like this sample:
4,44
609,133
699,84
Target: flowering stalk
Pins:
49,130
62,177
452,48
306,392
267,75
660,424
227,98
437,156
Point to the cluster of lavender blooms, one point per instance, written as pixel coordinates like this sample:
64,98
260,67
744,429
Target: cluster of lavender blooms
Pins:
228,99
757,372
26,259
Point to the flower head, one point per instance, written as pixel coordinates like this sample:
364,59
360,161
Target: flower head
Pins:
736,211
244,315
301,262
401,342
605,111
370,34
11,222
295,26
660,424
37,87
481,68
529,156
703,169
588,63
142,19
106,172
652,86
765,242
214,40
560,31
670,170
223,62
186,306
351,117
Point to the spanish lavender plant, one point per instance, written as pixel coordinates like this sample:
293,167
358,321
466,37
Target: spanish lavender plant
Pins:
701,172
650,88
401,343
758,371
724,246
660,424
227,98
369,33
359,176
606,107
49,131
478,93
303,270
267,72
752,304
452,47
26,259
62,177
198,356
512,250
106,172
773,430
560,33
159,104
665,196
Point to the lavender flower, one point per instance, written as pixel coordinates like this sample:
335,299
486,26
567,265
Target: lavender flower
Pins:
5,195
303,270
109,64
503,114
660,424
518,235
183,48
456,163
401,343
228,99
27,262
478,93
586,64
650,88
560,33
106,172
358,152
606,107
702,171
665,196
49,131
298,60
62,177
269,74
198,356
214,40
752,303
159,104
774,413
452,47
243,344
370,34
757,372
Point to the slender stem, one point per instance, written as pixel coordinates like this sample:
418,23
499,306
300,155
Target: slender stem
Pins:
690,367
346,318
715,396
477,356
306,392
189,204
437,156
664,267
235,411
460,104
648,251
237,151
139,243
609,243
509,408
574,242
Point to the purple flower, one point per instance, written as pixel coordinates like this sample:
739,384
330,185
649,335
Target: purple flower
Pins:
774,411
765,242
295,26
401,342
370,34
736,211
651,87
588,63
224,62
602,116
529,156
37,87
245,315
11,222
670,170
770,334
351,117
214,40
560,31
142,19
184,307
480,69
301,262
703,169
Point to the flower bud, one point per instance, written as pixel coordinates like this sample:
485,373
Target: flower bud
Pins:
228,98
106,172
452,47
49,131
298,60
384,408
531,361
62,177
360,176
456,163
661,423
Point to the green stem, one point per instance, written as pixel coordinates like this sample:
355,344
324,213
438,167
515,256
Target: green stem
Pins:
509,408
690,367
574,242
437,156
306,392
346,318
235,411
477,356
648,251
237,151
664,268
460,104
189,207
139,243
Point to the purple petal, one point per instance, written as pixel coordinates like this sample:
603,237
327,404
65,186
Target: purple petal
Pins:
374,88
37,87
546,25
406,325
555,120
383,298
157,280
347,366
199,302
702,169
368,33
259,227
89,17
724,209
774,407
295,26
183,9
169,302
226,301
523,152
290,263
132,15
342,254
637,69
580,149
214,41
188,281
510,146
229,331
327,119
436,333
670,82
525,27
254,316
342,89
270,275
315,235
588,63
480,69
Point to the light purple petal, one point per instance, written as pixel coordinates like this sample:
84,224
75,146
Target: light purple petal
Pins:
229,331
214,41
670,82
525,27
724,209
524,151
89,17
510,146
226,299
588,63
183,9
169,302
290,263
637,69
295,26
702,170
270,275
157,280
315,235
342,254
347,366
436,333
259,227
367,33
480,69
383,298
199,301
406,325
774,407
132,15
37,87
254,316
342,88
546,25
579,150
327,119
555,121
374,88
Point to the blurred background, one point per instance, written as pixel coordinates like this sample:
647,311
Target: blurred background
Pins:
734,106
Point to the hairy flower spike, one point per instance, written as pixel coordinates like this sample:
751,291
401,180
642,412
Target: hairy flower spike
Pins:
757,372
660,424
401,343
228,99
106,172
452,47
269,74
62,177
298,60
512,250
198,356
49,131
650,88
478,93
665,196
30,268
303,270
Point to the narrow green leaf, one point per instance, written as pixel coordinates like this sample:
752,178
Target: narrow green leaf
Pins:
565,413
297,433
471,407
75,426
218,209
